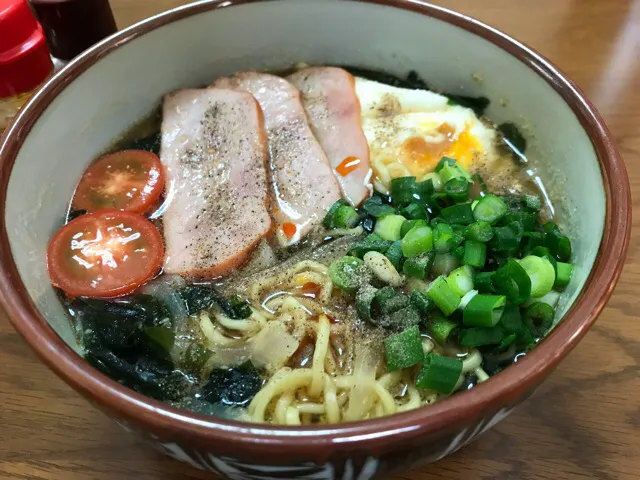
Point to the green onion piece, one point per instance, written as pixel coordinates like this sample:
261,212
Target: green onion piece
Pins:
375,207
478,336
467,298
508,341
348,273
420,302
440,328
389,226
328,221
418,267
403,318
484,311
371,243
163,337
558,244
475,254
409,224
443,296
527,221
443,264
540,251
462,214
532,240
442,237
448,173
490,209
531,203
402,190
444,161
430,184
461,280
506,239
563,274
458,252
392,304
403,350
394,254
439,374
457,189
539,318
418,240
483,282
364,300
512,280
511,319
479,232
346,217
541,274
415,211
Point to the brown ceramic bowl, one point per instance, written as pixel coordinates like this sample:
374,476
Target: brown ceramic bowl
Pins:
94,100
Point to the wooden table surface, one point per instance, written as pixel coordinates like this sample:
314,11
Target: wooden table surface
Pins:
584,422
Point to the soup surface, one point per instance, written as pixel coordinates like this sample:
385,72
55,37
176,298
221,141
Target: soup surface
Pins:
322,245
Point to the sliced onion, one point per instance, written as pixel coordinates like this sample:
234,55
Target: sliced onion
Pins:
273,346
165,289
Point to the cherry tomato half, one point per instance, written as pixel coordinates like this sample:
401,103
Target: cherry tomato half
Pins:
104,254
130,180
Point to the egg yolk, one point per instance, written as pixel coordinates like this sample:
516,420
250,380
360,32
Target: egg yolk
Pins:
421,157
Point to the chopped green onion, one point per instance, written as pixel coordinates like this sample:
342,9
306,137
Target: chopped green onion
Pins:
417,267
415,211
375,207
466,299
531,203
329,221
403,350
440,328
439,374
478,336
512,280
484,311
402,190
533,240
563,274
389,226
364,299
508,341
434,180
539,318
475,254
420,302
394,254
458,252
417,240
462,214
442,237
457,189
507,239
444,263
541,274
443,162
461,280
348,273
409,224
391,304
346,217
527,221
483,282
490,209
511,319
479,232
559,244
443,296
405,317
371,243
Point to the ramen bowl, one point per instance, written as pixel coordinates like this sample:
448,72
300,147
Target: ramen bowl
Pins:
109,88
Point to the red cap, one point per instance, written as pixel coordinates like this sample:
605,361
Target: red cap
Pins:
24,57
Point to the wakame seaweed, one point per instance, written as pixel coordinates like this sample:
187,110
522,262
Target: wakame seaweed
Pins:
477,104
233,387
512,134
150,143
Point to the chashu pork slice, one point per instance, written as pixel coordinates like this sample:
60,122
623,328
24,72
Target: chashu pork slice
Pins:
332,106
215,152
303,184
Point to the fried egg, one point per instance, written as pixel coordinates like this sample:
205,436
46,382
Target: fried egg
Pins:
409,131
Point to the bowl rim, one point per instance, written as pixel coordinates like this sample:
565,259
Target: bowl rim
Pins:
461,409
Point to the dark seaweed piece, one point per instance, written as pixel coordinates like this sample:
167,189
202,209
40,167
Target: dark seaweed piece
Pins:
73,214
198,297
477,104
145,374
150,143
512,135
239,307
117,324
367,223
233,387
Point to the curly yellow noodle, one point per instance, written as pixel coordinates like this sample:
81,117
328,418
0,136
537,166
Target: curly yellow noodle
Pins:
322,345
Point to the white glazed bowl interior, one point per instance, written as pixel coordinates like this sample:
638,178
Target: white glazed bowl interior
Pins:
125,86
